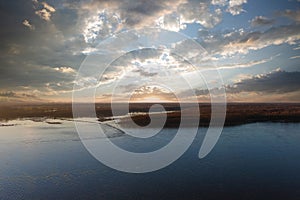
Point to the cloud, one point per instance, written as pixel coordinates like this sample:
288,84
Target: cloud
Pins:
48,7
46,59
292,14
66,70
43,14
171,22
241,42
277,86
294,57
149,63
101,25
7,94
40,78
219,2
246,64
261,21
103,18
277,81
14,49
235,7
195,12
18,96
142,72
258,40
28,24
46,12
155,92
263,97
139,93
296,48
43,59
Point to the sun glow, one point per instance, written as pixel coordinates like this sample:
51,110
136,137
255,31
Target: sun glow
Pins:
151,98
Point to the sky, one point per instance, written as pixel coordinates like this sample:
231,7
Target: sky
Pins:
253,44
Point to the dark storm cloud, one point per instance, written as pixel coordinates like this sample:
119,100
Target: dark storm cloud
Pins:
133,12
278,81
274,82
30,55
33,76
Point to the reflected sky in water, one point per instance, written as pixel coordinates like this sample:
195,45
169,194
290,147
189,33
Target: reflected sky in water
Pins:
48,161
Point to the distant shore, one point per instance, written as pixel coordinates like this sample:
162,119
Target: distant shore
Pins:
236,114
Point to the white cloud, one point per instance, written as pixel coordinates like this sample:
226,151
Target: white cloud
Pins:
235,7
43,14
100,25
28,24
66,70
219,2
48,7
171,22
199,13
246,64
296,48
46,12
233,3
294,57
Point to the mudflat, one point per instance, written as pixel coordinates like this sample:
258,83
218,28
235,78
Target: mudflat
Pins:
236,113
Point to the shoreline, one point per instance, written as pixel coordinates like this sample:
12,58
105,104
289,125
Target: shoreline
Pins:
236,113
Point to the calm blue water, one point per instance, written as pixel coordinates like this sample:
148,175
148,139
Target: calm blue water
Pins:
254,161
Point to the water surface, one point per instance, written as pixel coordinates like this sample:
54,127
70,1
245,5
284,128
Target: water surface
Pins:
48,161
